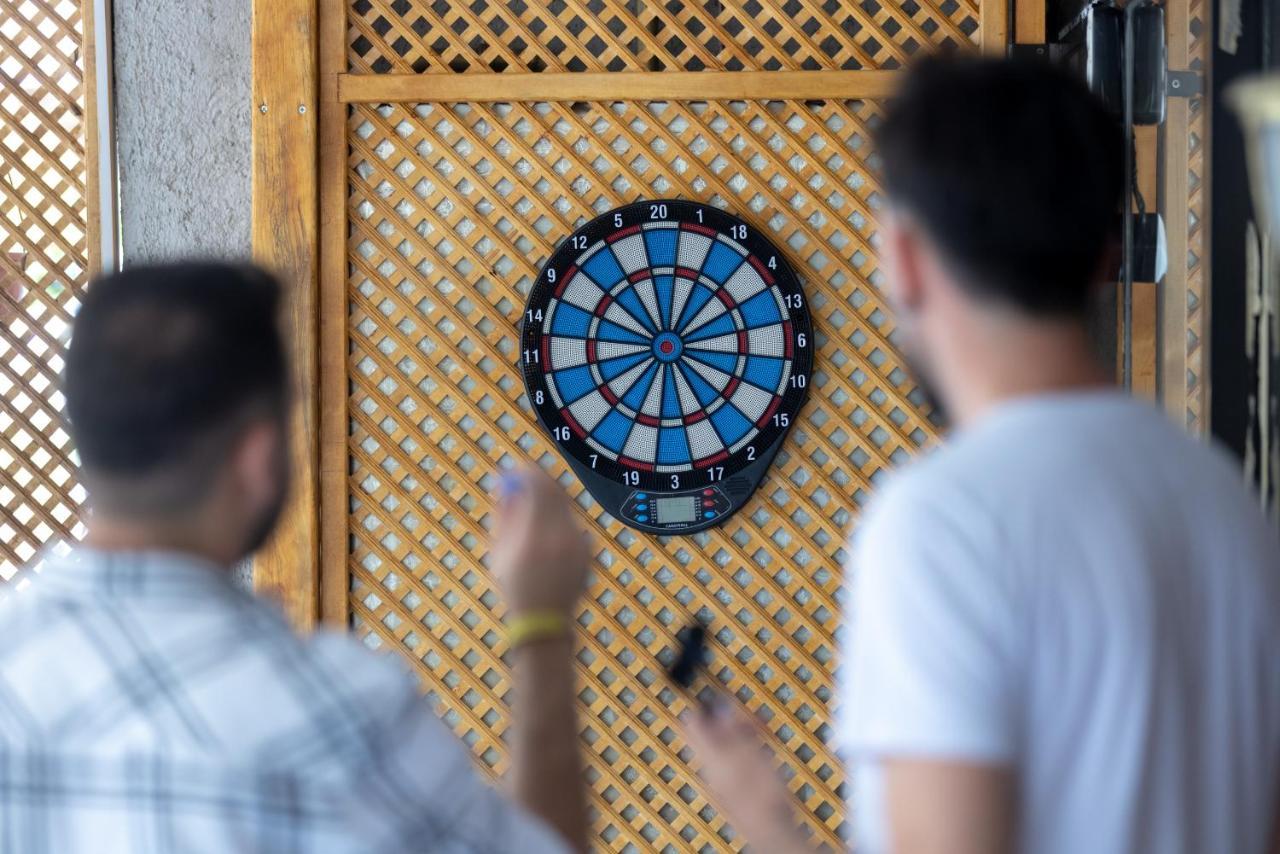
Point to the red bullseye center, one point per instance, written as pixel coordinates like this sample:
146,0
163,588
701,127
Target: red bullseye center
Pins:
667,347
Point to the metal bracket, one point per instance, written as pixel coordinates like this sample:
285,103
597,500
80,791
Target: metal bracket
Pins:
1184,84
1028,51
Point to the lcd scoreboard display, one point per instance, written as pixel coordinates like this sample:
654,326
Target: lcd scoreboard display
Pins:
667,349
681,510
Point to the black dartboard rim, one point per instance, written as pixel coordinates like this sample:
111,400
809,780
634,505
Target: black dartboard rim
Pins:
653,475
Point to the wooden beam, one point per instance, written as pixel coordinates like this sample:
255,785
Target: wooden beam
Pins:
993,26
284,228
1175,156
620,86
1145,298
1029,26
99,150
335,515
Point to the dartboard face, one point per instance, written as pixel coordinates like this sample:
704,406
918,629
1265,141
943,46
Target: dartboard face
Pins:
667,349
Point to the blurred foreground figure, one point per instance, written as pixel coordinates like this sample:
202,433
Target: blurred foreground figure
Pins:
147,705
1065,622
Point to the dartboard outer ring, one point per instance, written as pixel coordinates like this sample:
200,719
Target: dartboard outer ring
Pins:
735,468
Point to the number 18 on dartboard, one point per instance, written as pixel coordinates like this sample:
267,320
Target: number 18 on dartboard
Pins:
667,349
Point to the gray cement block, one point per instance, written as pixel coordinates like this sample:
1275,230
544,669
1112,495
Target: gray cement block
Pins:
183,100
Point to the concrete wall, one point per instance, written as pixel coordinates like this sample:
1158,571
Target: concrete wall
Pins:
183,100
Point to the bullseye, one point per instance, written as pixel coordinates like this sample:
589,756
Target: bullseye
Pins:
667,347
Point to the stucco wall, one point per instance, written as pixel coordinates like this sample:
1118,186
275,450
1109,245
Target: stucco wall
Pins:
183,95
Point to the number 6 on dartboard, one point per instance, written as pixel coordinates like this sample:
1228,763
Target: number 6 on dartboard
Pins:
665,353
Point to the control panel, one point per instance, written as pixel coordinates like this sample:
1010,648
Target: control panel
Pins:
676,511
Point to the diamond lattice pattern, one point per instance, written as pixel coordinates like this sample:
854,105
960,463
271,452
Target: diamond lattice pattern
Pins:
42,271
453,208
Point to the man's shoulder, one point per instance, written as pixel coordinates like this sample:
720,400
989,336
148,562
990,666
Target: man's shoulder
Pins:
379,682
1034,452
322,700
225,679
930,489
319,704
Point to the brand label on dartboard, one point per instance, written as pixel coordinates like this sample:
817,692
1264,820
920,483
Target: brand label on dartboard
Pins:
667,349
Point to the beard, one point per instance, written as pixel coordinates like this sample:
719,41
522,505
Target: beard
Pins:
934,406
264,523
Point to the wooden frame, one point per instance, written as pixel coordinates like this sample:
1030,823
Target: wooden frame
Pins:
1182,378
993,34
306,563
1175,146
284,238
620,86
102,214
331,563
332,567
1029,21
300,229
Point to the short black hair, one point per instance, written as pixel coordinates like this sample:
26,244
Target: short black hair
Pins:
165,365
1015,172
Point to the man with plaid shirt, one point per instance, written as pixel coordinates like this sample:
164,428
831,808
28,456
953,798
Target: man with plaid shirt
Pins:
148,705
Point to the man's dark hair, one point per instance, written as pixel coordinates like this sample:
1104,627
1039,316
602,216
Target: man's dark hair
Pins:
167,365
1014,170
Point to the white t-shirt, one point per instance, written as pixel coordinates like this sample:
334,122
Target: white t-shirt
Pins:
1075,589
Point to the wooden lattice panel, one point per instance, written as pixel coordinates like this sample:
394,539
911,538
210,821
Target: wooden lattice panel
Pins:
42,270
1198,232
452,210
409,36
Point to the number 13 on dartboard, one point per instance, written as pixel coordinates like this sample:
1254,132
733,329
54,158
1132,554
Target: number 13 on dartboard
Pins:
667,350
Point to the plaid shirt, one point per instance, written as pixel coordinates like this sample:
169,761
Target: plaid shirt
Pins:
147,705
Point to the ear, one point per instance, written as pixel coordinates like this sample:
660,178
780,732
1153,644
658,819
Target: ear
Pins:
259,461
901,256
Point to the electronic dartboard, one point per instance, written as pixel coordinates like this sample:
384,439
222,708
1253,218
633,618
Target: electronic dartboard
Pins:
667,349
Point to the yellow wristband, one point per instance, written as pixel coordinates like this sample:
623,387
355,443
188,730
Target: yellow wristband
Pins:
536,626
